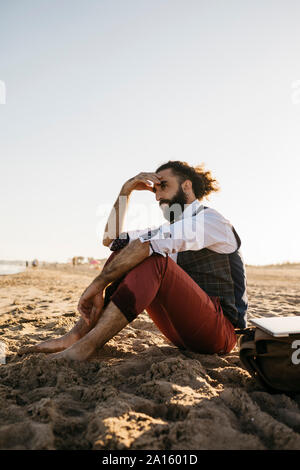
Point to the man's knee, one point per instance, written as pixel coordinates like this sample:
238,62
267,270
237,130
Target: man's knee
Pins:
157,260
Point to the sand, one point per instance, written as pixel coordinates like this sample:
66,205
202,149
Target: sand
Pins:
139,391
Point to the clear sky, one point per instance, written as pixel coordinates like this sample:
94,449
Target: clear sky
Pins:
99,90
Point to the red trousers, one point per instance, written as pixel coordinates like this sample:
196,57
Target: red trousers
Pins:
181,310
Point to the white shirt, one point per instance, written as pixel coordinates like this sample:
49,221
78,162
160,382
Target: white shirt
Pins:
207,229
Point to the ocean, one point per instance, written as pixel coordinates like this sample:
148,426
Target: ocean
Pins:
11,269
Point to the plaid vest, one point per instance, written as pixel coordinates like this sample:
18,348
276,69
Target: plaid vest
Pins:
221,275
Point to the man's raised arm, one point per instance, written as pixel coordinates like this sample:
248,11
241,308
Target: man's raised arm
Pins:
115,222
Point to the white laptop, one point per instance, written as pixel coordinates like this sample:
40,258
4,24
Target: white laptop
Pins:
278,326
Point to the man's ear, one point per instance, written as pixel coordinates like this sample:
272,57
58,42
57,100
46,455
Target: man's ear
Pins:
187,185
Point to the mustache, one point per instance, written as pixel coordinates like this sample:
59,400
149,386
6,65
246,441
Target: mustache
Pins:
164,201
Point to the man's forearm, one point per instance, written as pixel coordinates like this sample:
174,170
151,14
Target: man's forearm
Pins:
128,258
115,222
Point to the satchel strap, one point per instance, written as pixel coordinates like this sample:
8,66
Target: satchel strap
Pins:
243,331
247,352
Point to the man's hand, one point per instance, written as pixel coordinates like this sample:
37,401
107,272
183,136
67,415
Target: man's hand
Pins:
91,302
141,182
115,222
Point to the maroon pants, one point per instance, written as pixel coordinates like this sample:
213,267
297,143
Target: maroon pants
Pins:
181,310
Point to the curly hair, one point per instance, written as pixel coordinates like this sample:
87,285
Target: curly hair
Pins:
202,182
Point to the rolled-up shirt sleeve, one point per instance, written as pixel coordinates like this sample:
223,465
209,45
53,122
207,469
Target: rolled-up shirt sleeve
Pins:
143,235
185,234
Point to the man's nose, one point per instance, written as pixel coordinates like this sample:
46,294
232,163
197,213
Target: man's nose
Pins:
157,192
157,195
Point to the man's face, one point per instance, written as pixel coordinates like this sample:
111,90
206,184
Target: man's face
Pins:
169,193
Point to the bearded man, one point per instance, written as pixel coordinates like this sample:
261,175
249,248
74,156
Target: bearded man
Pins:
188,274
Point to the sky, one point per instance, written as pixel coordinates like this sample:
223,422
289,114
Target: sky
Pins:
92,92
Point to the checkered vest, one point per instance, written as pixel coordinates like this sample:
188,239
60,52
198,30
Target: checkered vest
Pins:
221,275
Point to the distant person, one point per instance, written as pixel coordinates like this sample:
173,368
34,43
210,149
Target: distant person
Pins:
187,274
35,263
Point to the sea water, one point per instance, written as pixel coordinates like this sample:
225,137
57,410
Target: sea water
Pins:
11,269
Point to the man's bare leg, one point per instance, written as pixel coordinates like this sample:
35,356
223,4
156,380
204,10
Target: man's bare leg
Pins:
59,344
110,323
80,329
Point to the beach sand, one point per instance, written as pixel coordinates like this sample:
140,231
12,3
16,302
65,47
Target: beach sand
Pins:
138,391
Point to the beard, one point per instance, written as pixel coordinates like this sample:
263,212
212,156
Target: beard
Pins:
172,208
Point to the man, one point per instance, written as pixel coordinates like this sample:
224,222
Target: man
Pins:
187,274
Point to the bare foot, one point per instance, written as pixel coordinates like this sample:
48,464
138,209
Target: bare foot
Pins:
51,345
60,344
80,351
